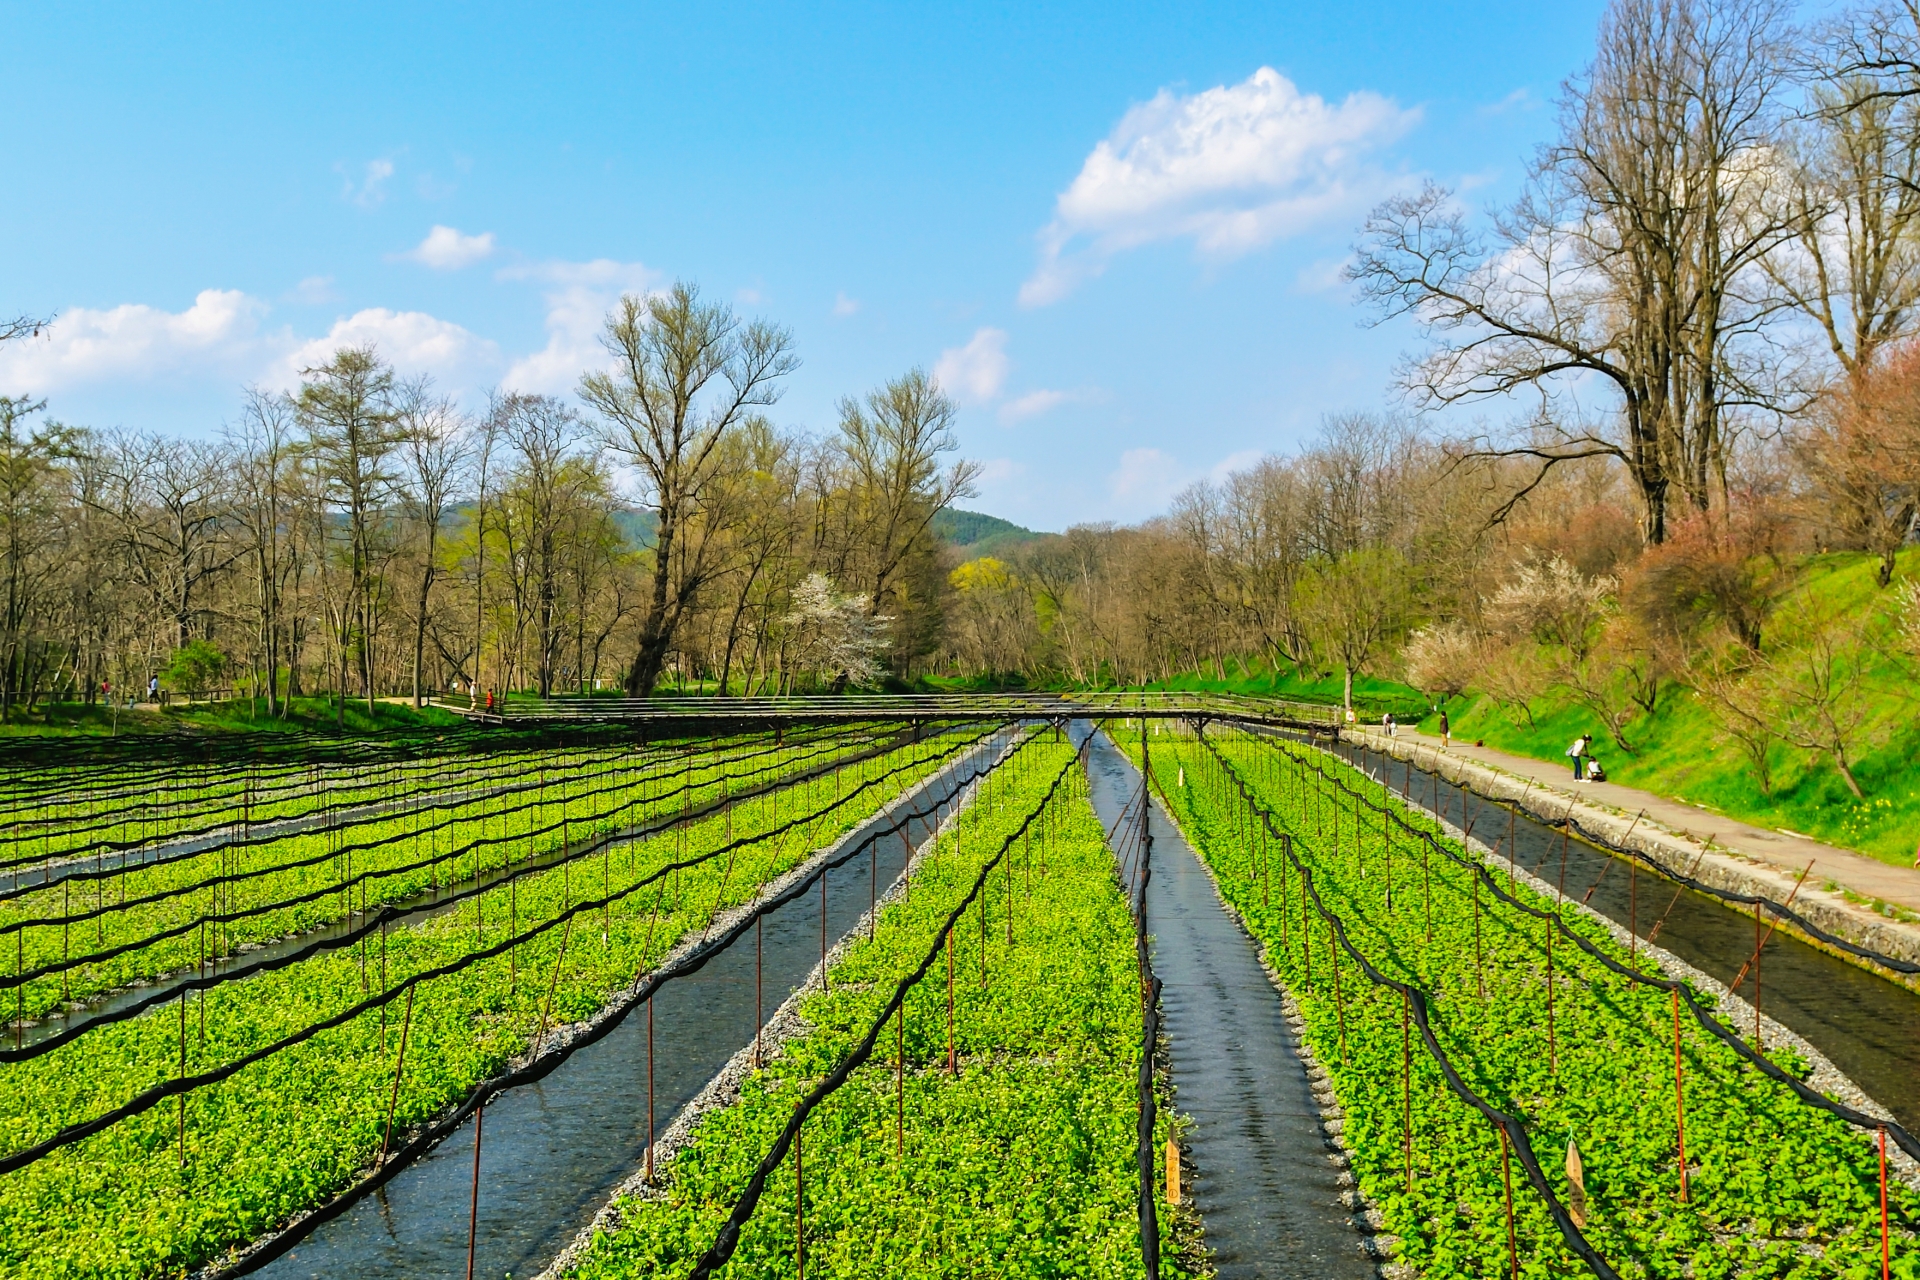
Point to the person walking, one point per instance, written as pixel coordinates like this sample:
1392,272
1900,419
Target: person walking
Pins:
1386,723
1577,752
1446,732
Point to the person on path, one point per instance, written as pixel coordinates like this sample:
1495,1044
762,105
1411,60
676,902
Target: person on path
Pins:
1577,752
1386,723
1446,733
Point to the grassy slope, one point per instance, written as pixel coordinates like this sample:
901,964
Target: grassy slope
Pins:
1679,752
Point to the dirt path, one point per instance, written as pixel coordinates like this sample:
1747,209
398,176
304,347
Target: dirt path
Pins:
1866,876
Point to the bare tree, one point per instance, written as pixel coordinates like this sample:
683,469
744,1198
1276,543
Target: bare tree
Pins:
266,455
1627,259
686,374
169,501
348,408
434,453
893,442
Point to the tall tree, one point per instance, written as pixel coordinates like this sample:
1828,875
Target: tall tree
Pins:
1625,260
353,424
686,374
434,454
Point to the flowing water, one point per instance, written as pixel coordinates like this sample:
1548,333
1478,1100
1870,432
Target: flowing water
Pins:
552,1152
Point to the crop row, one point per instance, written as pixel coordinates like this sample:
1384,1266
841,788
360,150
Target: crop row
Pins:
993,1130
1538,1029
188,912
182,1178
70,827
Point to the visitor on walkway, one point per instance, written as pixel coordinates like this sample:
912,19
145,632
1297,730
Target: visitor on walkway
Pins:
1386,723
1577,752
1446,733
1595,771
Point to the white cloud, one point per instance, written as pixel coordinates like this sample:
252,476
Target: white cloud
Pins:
221,330
314,291
975,373
411,341
1232,168
845,306
579,295
447,249
221,338
1326,275
1032,404
371,190
998,470
1146,478
1238,461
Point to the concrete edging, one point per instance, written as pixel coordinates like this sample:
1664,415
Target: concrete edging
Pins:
1712,864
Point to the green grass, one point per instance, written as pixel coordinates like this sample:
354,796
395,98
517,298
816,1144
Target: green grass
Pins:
1680,752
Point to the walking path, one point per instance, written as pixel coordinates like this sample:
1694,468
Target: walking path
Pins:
1866,876
1267,1181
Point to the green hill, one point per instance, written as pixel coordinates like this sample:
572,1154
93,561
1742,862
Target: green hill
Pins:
980,534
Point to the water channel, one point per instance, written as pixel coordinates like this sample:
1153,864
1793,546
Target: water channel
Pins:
1866,1025
554,1151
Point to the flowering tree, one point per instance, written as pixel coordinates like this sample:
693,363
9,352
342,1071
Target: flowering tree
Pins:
834,635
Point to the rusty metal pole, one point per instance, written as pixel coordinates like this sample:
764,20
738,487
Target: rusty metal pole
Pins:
649,1090
953,1062
1679,1096
1886,1256
759,951
400,1065
900,1081
799,1205
473,1208
1506,1177
1406,1079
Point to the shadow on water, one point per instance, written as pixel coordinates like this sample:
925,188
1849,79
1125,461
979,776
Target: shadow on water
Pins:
1869,1027
555,1150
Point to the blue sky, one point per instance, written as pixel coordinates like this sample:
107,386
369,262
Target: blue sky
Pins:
1115,231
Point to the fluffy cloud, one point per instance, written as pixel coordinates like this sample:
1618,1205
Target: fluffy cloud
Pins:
220,331
371,190
1232,168
411,341
845,306
578,296
446,249
975,373
221,337
1146,479
1032,404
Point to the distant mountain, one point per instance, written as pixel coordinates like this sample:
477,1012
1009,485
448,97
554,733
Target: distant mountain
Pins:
636,526
980,534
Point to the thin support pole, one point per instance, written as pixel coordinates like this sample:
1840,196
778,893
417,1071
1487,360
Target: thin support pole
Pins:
649,1090
953,1061
759,953
1406,1091
400,1065
473,1206
900,1081
1679,1097
1506,1177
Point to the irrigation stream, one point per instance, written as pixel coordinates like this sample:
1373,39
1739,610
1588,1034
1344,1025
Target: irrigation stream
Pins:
1867,1026
1265,1185
555,1150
